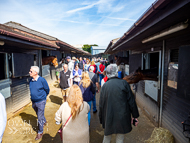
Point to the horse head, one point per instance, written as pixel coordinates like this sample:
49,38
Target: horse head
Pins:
137,75
124,60
54,62
134,77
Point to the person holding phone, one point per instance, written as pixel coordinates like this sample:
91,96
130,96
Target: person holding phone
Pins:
116,106
77,73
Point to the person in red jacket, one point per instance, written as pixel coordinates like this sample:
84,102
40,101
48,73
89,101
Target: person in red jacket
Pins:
104,80
101,70
93,64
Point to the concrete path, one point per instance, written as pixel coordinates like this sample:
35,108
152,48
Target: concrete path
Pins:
138,135
22,128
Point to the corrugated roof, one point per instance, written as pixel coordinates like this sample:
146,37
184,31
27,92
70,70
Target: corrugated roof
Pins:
9,31
28,30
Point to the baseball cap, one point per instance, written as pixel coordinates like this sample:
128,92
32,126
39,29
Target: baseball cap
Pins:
68,57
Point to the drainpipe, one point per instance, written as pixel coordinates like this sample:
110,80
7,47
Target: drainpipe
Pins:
162,84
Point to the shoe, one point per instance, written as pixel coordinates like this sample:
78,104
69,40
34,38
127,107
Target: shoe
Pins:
39,136
94,111
45,124
58,122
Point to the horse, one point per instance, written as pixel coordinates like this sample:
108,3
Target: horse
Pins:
136,76
50,59
124,60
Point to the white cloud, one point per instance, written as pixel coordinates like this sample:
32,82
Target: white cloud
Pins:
83,8
85,22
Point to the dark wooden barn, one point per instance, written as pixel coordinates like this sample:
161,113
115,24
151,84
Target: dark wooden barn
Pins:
160,39
21,48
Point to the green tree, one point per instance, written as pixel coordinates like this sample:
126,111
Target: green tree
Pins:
87,47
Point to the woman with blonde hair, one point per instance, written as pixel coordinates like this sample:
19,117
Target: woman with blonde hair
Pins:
88,90
73,115
94,65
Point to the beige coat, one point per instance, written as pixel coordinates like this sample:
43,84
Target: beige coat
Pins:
77,130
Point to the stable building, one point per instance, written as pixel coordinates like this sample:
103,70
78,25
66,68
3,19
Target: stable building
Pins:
21,48
160,39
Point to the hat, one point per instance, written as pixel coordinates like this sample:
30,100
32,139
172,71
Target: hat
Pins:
73,58
68,57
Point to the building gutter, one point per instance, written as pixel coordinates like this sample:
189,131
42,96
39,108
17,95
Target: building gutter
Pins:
147,14
60,43
109,46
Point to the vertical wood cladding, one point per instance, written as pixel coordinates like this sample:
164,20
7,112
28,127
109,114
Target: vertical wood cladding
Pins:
134,62
20,93
175,108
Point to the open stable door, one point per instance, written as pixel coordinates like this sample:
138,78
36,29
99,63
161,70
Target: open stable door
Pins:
151,61
5,82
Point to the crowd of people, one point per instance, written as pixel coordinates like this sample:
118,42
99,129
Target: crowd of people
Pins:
80,81
116,105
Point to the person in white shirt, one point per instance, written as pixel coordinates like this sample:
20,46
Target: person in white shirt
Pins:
70,63
3,116
77,74
86,66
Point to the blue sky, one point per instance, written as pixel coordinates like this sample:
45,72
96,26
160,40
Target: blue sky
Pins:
76,21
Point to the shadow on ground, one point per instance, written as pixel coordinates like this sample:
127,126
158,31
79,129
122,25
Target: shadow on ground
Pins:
56,99
30,119
46,138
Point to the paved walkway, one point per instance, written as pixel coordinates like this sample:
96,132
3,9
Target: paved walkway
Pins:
22,128
138,135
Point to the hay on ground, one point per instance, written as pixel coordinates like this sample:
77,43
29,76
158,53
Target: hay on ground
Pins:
160,135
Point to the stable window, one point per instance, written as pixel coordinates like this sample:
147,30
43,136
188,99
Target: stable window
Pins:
125,53
2,66
35,60
173,68
151,60
151,63
45,53
4,75
21,64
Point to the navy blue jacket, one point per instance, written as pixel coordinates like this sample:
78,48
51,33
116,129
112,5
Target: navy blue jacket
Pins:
39,89
88,92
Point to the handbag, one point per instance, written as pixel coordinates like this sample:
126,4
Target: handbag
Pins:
61,130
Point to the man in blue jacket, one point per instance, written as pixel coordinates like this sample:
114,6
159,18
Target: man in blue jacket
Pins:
39,90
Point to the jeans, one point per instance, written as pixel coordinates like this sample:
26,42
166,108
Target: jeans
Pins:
101,77
39,109
119,138
89,103
94,102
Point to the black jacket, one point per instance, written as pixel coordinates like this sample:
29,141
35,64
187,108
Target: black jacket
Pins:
117,104
88,92
81,65
64,79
